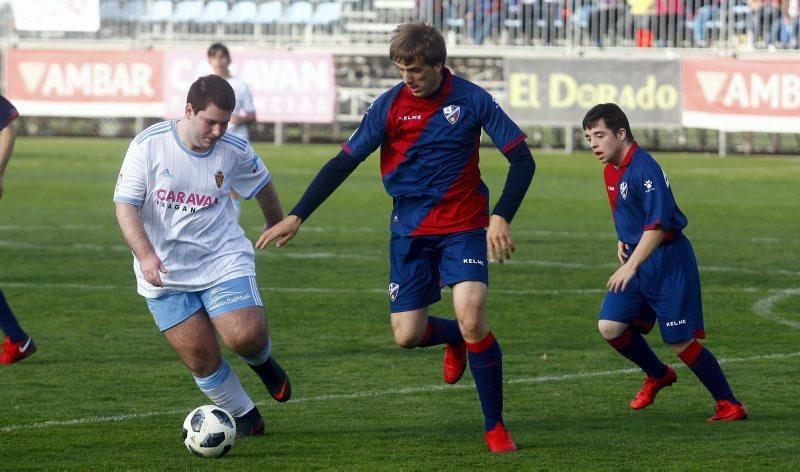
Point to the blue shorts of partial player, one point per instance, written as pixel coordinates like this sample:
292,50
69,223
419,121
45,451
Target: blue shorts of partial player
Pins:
421,265
173,308
665,289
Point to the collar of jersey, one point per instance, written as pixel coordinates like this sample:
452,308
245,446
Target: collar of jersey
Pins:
183,146
629,155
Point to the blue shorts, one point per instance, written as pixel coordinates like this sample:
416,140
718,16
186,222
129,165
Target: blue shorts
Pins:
666,288
422,265
171,309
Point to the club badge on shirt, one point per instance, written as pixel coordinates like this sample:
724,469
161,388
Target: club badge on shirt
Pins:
219,177
623,190
452,113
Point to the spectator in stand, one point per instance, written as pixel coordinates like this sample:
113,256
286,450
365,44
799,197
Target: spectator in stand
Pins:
670,16
641,13
787,30
707,11
483,17
764,15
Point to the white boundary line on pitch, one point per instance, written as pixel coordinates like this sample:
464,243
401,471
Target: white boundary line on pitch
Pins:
326,290
379,393
331,255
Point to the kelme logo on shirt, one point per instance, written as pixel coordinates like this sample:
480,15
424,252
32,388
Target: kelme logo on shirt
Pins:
623,190
452,113
219,177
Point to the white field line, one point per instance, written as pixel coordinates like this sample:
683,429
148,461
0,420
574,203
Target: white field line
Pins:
771,239
381,393
272,252
331,290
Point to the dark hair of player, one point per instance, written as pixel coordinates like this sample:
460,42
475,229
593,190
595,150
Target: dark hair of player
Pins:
211,89
612,115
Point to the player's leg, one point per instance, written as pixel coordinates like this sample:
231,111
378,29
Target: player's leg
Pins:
681,320
464,267
187,327
17,344
623,317
414,285
239,318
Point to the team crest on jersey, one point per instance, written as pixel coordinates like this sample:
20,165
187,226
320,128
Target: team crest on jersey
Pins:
452,113
623,190
394,289
219,177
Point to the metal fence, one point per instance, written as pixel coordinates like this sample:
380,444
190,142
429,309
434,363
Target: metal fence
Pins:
720,24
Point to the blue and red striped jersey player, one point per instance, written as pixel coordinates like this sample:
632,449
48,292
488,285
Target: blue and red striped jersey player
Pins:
658,280
428,129
17,344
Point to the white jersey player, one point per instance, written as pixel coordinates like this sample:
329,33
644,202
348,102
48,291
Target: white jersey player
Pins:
193,264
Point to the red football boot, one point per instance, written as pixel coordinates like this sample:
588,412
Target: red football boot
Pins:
14,352
499,440
727,410
455,362
647,395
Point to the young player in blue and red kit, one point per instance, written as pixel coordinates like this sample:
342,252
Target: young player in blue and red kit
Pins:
658,279
17,345
428,130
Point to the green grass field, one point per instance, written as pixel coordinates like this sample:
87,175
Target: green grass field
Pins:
105,391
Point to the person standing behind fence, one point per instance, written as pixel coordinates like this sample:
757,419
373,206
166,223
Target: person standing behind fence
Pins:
17,345
658,280
245,111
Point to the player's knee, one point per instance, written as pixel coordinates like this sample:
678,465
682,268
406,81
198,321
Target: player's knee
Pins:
473,328
610,329
406,339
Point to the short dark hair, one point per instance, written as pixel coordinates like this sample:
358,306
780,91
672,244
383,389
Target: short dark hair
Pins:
218,47
612,115
412,41
211,89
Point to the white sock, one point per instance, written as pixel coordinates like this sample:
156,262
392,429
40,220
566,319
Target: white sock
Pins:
225,390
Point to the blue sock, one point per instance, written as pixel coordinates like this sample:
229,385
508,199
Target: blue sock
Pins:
8,323
486,365
632,345
707,369
441,331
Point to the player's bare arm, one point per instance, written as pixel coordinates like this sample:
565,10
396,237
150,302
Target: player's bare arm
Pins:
7,137
270,204
284,231
133,231
498,239
650,240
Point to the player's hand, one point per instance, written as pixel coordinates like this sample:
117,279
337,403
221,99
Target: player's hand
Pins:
498,239
622,255
152,268
286,229
618,281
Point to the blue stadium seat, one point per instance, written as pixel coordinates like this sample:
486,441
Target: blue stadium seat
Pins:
187,10
215,11
110,10
242,12
269,12
327,13
299,13
160,10
133,10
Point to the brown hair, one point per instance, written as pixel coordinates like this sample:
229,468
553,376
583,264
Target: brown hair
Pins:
211,89
412,41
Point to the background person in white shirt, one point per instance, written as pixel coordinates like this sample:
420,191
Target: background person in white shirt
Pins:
193,263
244,112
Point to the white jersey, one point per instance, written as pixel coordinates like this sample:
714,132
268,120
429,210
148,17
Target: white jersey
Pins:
186,207
244,104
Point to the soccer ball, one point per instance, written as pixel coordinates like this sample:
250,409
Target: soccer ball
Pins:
209,431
